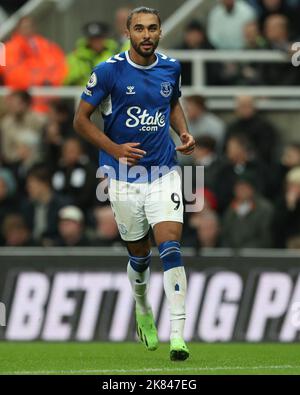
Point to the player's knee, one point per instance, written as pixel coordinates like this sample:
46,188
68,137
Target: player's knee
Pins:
140,263
170,254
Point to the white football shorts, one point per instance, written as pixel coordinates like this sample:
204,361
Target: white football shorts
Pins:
137,206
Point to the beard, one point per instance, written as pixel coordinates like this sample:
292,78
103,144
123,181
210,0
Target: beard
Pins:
142,52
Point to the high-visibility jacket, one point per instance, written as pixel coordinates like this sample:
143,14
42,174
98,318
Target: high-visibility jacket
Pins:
83,59
33,61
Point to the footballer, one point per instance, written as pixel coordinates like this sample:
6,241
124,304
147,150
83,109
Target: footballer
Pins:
138,94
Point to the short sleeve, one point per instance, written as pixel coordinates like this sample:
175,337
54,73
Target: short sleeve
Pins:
177,90
99,85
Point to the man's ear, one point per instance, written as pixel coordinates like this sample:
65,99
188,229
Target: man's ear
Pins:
127,33
160,33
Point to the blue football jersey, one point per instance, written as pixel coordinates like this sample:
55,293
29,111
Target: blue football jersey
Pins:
135,104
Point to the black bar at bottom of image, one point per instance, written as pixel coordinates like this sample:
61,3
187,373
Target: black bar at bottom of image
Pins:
132,384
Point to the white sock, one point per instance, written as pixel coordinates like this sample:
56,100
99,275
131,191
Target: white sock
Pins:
140,284
175,285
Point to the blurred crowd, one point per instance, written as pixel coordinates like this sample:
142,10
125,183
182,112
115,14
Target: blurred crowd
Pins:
48,180
48,174
248,25
34,60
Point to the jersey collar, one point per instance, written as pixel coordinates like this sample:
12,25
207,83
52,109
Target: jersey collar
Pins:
138,66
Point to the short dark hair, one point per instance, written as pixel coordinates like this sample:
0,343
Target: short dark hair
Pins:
206,142
194,25
293,144
13,221
61,107
198,100
142,10
243,140
77,140
23,95
40,172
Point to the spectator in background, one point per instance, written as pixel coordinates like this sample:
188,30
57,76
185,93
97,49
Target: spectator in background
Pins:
271,7
205,200
19,120
15,232
95,47
260,132
286,222
247,222
8,198
253,36
71,228
28,153
32,60
240,157
194,38
120,24
226,22
251,73
206,229
276,29
106,229
289,9
58,128
75,177
41,208
290,158
205,154
201,121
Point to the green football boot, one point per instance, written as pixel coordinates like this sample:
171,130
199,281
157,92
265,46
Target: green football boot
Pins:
146,330
178,350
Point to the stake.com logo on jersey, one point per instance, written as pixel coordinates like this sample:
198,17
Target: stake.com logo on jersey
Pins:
148,123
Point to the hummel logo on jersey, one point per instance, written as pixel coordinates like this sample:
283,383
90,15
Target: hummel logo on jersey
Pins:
130,90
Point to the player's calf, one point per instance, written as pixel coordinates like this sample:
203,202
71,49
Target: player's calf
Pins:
175,288
139,275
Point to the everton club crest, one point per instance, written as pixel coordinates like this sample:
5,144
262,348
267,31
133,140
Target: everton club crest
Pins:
166,89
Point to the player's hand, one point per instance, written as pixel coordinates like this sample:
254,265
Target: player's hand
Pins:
188,144
129,154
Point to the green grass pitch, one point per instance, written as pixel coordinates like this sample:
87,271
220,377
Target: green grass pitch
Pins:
133,358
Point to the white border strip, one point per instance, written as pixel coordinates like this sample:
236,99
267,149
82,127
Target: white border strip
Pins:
76,251
223,55
154,370
122,252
